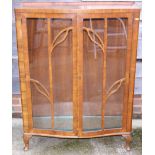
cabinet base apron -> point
(35, 132)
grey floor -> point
(96, 146)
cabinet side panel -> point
(22, 72)
(132, 70)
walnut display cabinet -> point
(77, 68)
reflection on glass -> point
(115, 71)
(93, 75)
(61, 62)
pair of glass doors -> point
(78, 72)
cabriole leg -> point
(128, 139)
(26, 139)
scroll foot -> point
(128, 139)
(26, 139)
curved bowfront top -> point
(77, 7)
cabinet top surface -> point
(77, 7)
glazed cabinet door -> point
(104, 46)
(50, 57)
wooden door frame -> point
(22, 40)
(122, 130)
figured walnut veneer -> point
(77, 68)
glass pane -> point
(62, 75)
(116, 64)
(39, 72)
(93, 75)
(62, 79)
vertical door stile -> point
(125, 99)
(80, 72)
(27, 72)
(75, 112)
(50, 71)
(104, 71)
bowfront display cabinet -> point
(77, 68)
